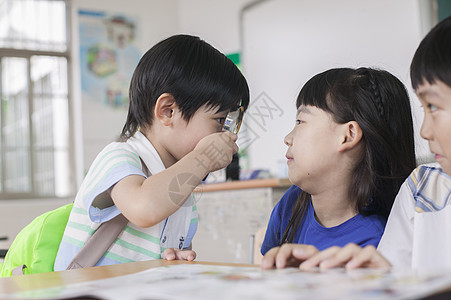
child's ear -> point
(164, 109)
(352, 135)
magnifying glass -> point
(233, 120)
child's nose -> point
(425, 131)
(288, 140)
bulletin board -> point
(108, 56)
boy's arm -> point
(146, 202)
(397, 241)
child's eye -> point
(298, 122)
(220, 121)
(432, 107)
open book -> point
(198, 281)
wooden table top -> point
(54, 279)
(26, 283)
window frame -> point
(28, 54)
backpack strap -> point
(98, 243)
(18, 270)
(101, 240)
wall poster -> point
(108, 56)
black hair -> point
(379, 103)
(193, 72)
(432, 60)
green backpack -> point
(37, 244)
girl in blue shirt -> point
(350, 150)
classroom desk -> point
(324, 289)
(54, 279)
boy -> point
(418, 231)
(180, 94)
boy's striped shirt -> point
(115, 162)
(430, 188)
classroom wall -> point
(287, 42)
(99, 123)
(95, 125)
(217, 22)
(281, 50)
(283, 44)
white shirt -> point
(418, 231)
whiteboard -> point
(286, 42)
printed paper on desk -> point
(197, 281)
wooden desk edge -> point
(63, 278)
(243, 184)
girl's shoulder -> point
(376, 222)
(290, 196)
(285, 204)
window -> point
(35, 127)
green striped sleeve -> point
(81, 227)
(103, 156)
(80, 211)
(72, 241)
(94, 182)
(138, 249)
(118, 258)
(142, 235)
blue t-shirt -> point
(361, 230)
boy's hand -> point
(176, 254)
(287, 255)
(216, 150)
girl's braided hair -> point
(379, 103)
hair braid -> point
(379, 100)
(379, 103)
